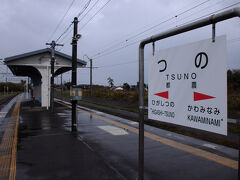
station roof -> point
(46, 50)
(19, 68)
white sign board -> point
(188, 85)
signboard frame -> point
(193, 93)
(211, 20)
(75, 93)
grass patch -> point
(233, 128)
(112, 106)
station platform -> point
(105, 147)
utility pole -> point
(90, 74)
(28, 84)
(6, 86)
(61, 85)
(7, 81)
(75, 38)
(53, 45)
(91, 77)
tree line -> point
(11, 87)
(233, 79)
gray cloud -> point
(26, 26)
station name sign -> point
(188, 85)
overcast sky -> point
(111, 31)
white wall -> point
(37, 92)
(42, 63)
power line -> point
(81, 4)
(66, 30)
(113, 43)
(79, 21)
(94, 15)
(200, 11)
(212, 13)
(89, 10)
(234, 40)
(85, 7)
(117, 49)
(61, 20)
(112, 65)
(148, 29)
(110, 48)
(88, 20)
(132, 62)
(79, 14)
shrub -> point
(234, 101)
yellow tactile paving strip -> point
(8, 146)
(198, 152)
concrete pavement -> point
(163, 160)
(106, 147)
(46, 150)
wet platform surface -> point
(46, 150)
(106, 147)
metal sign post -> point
(75, 38)
(235, 12)
(75, 93)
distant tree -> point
(23, 82)
(138, 85)
(233, 79)
(126, 86)
(236, 79)
(110, 82)
(68, 85)
(12, 87)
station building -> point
(37, 66)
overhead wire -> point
(106, 50)
(88, 20)
(152, 27)
(95, 14)
(117, 49)
(234, 40)
(103, 54)
(79, 21)
(81, 4)
(114, 42)
(89, 10)
(85, 7)
(119, 64)
(191, 15)
(76, 12)
(132, 62)
(65, 31)
(212, 13)
(79, 14)
(61, 20)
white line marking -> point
(210, 146)
(169, 134)
(63, 114)
(133, 123)
(113, 130)
(178, 137)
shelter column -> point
(45, 87)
